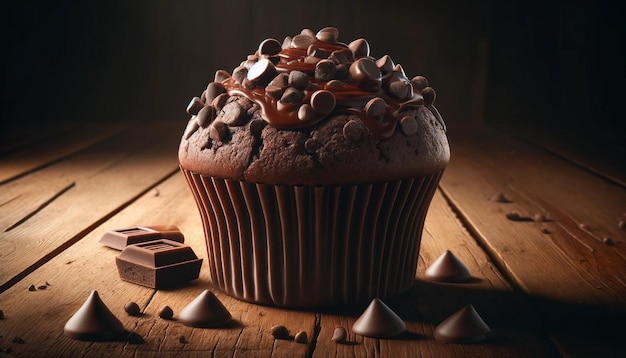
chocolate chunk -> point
(262, 72)
(360, 48)
(385, 64)
(464, 326)
(400, 89)
(93, 322)
(194, 106)
(298, 79)
(301, 337)
(353, 130)
(339, 335)
(323, 101)
(221, 76)
(448, 268)
(308, 32)
(205, 116)
(280, 332)
(342, 72)
(220, 101)
(317, 52)
(408, 124)
(325, 70)
(234, 115)
(328, 34)
(158, 264)
(205, 311)
(132, 308)
(281, 80)
(302, 41)
(119, 239)
(378, 321)
(419, 82)
(366, 74)
(376, 108)
(274, 91)
(269, 47)
(286, 42)
(166, 312)
(239, 74)
(343, 56)
(513, 216)
(292, 95)
(218, 131)
(305, 112)
(429, 95)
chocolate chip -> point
(305, 112)
(408, 124)
(166, 312)
(343, 56)
(213, 90)
(281, 80)
(311, 60)
(298, 79)
(353, 130)
(274, 91)
(262, 72)
(608, 241)
(42, 287)
(182, 339)
(302, 41)
(342, 72)
(292, 95)
(513, 216)
(220, 101)
(360, 48)
(132, 309)
(366, 74)
(325, 70)
(376, 108)
(328, 34)
(256, 126)
(286, 42)
(301, 337)
(499, 198)
(419, 82)
(545, 231)
(221, 76)
(339, 335)
(316, 52)
(269, 47)
(239, 74)
(429, 95)
(205, 116)
(280, 332)
(323, 101)
(335, 83)
(32, 288)
(385, 64)
(400, 89)
(234, 115)
(311, 145)
(219, 131)
(194, 106)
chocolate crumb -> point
(182, 339)
(301, 337)
(339, 335)
(32, 288)
(608, 241)
(280, 332)
(48, 283)
(156, 192)
(513, 216)
(42, 287)
(499, 198)
(538, 217)
(132, 309)
(166, 312)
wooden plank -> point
(563, 264)
(44, 148)
(38, 317)
(44, 213)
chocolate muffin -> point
(313, 165)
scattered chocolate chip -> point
(378, 321)
(298, 79)
(292, 95)
(302, 41)
(366, 74)
(514, 216)
(93, 321)
(18, 340)
(339, 335)
(429, 95)
(408, 124)
(608, 241)
(448, 268)
(385, 64)
(305, 112)
(48, 283)
(325, 70)
(359, 48)
(194, 106)
(269, 47)
(280, 332)
(584, 226)
(419, 82)
(182, 339)
(42, 287)
(353, 130)
(376, 108)
(205, 116)
(205, 311)
(221, 76)
(323, 101)
(328, 34)
(166, 312)
(301, 337)
(499, 198)
(218, 131)
(32, 288)
(156, 192)
(132, 309)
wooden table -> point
(546, 288)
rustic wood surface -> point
(546, 288)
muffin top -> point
(315, 111)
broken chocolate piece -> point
(205, 311)
(378, 321)
(301, 337)
(119, 239)
(158, 264)
(280, 332)
(93, 322)
(464, 326)
(132, 309)
(166, 312)
(448, 268)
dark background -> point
(552, 63)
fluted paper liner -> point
(312, 246)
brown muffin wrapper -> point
(312, 246)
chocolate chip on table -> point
(132, 309)
(166, 312)
(292, 95)
(400, 89)
(18, 340)
(301, 337)
(182, 339)
(360, 48)
(323, 101)
(499, 198)
(339, 335)
(608, 241)
(194, 106)
(280, 332)
(32, 288)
